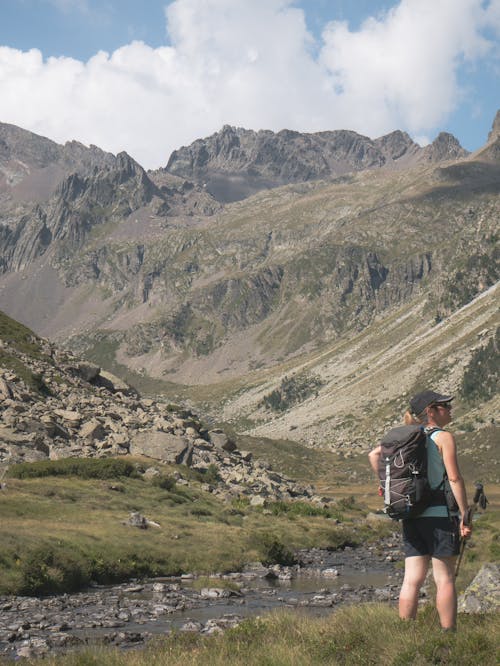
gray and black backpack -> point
(403, 473)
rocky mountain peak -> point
(396, 144)
(21, 145)
(495, 128)
(444, 147)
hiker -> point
(434, 535)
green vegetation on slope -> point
(23, 341)
(22, 338)
(291, 391)
(481, 380)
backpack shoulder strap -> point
(430, 430)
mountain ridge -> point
(266, 159)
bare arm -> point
(374, 457)
(447, 446)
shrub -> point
(275, 552)
(163, 481)
(46, 571)
(85, 468)
(348, 502)
(297, 509)
(291, 391)
(481, 380)
(211, 475)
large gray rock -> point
(92, 429)
(221, 440)
(5, 390)
(113, 383)
(87, 371)
(162, 446)
(483, 594)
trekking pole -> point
(478, 500)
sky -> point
(149, 76)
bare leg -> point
(443, 569)
(415, 572)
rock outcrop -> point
(495, 129)
(483, 594)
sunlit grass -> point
(366, 635)
(76, 529)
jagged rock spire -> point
(495, 128)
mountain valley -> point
(293, 286)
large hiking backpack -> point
(403, 472)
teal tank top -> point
(435, 474)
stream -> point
(130, 614)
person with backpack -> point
(431, 530)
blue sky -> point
(148, 76)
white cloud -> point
(401, 70)
(251, 65)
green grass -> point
(23, 341)
(365, 635)
(64, 523)
(21, 337)
(86, 468)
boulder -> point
(92, 429)
(113, 383)
(87, 371)
(5, 390)
(221, 440)
(162, 446)
(137, 520)
(246, 456)
(257, 500)
(483, 594)
(71, 417)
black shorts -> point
(437, 537)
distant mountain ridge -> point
(236, 162)
(32, 166)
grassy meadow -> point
(64, 523)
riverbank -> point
(366, 634)
(132, 614)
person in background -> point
(433, 537)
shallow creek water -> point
(131, 613)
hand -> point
(465, 530)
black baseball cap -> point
(422, 400)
